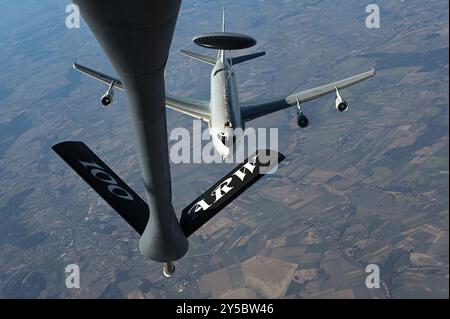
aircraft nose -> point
(226, 153)
(225, 150)
(220, 145)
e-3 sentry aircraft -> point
(224, 112)
(136, 36)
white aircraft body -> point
(224, 112)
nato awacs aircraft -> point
(136, 36)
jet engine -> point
(302, 121)
(341, 104)
(108, 98)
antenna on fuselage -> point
(223, 19)
(222, 52)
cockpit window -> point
(218, 70)
(222, 137)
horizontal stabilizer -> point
(205, 207)
(199, 57)
(106, 183)
(245, 58)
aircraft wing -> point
(251, 111)
(194, 108)
(197, 109)
(98, 75)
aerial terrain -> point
(369, 186)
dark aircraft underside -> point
(136, 37)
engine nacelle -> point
(341, 104)
(108, 98)
(302, 121)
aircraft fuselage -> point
(224, 104)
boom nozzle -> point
(168, 269)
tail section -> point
(212, 61)
(244, 58)
(224, 41)
(106, 183)
(221, 55)
(199, 57)
(205, 207)
(223, 19)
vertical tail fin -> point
(223, 19)
(221, 56)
